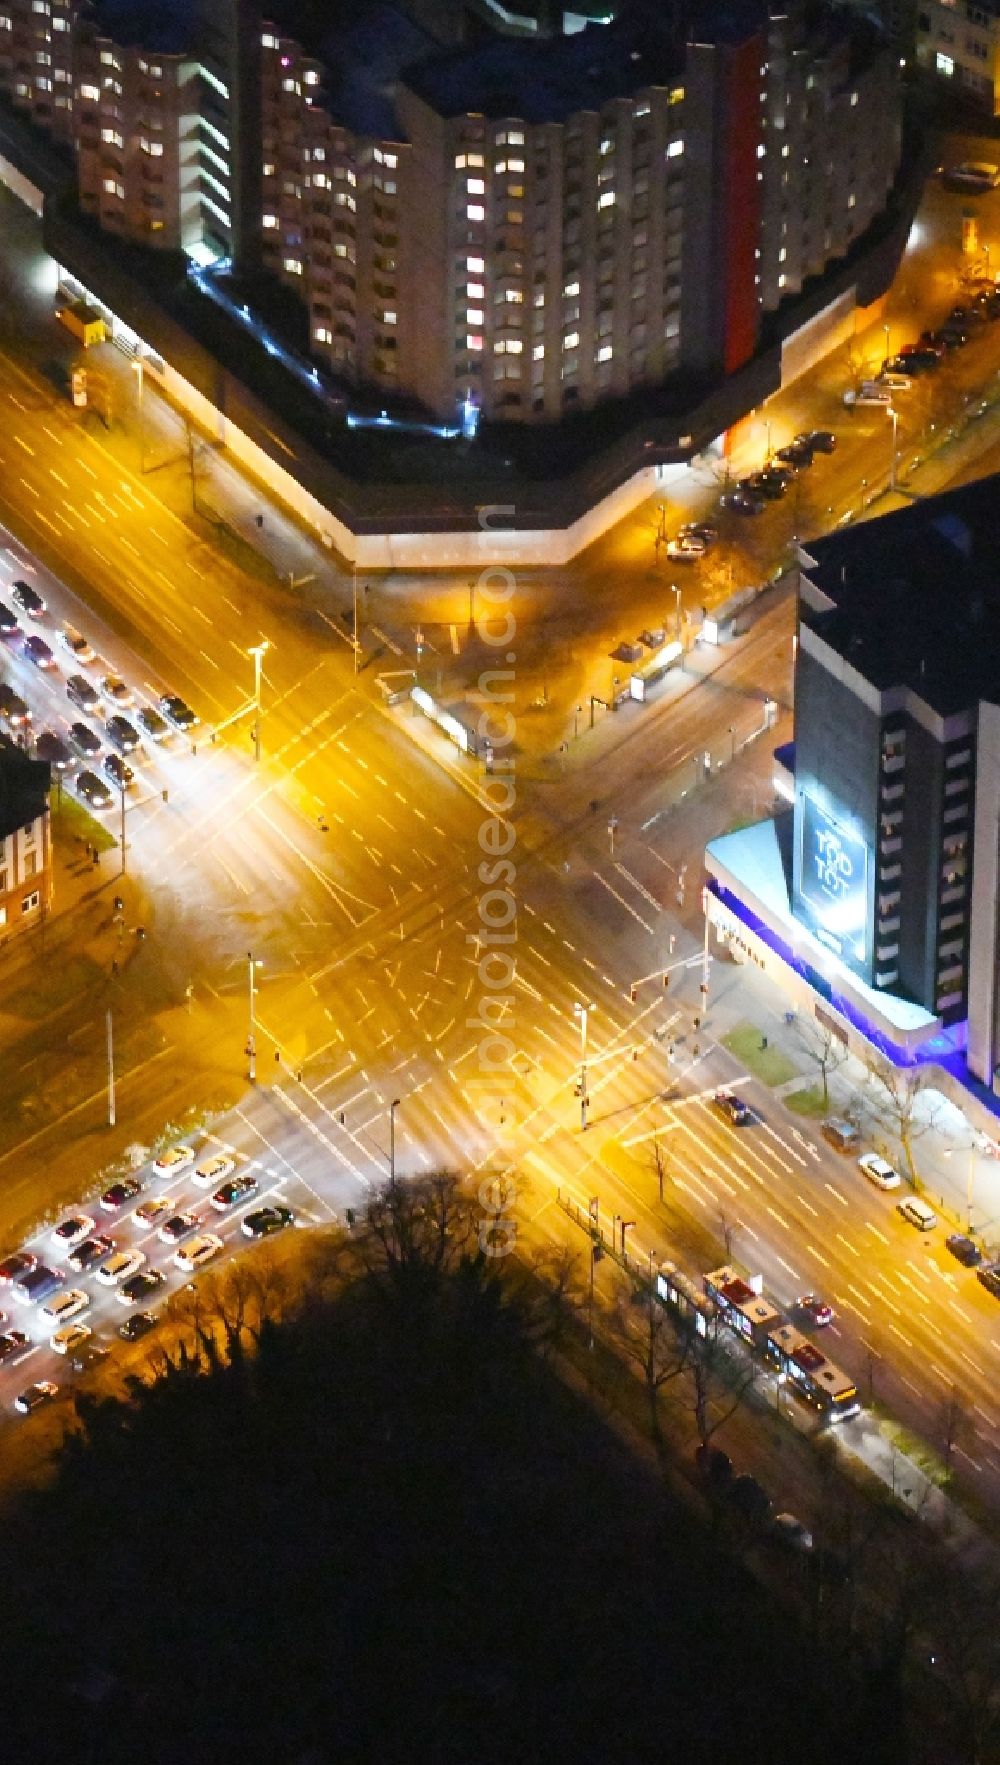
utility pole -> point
(122, 794)
(394, 1105)
(111, 1073)
(252, 1036)
(612, 824)
(258, 652)
(583, 1013)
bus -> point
(811, 1375)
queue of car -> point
(103, 698)
(44, 1283)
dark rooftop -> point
(24, 787)
(165, 27)
(917, 597)
(363, 46)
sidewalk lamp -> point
(893, 416)
(677, 607)
(582, 1013)
(258, 652)
(138, 368)
(253, 963)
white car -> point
(199, 1251)
(174, 1159)
(116, 690)
(211, 1171)
(151, 1211)
(119, 1267)
(895, 382)
(688, 547)
(72, 1231)
(65, 1304)
(74, 641)
(878, 1171)
(71, 1336)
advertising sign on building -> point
(833, 881)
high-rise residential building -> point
(880, 884)
(533, 221)
(25, 842)
(958, 43)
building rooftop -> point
(24, 788)
(363, 47)
(914, 597)
(165, 27)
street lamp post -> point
(894, 418)
(138, 368)
(677, 606)
(767, 436)
(888, 351)
(354, 579)
(253, 963)
(394, 1105)
(612, 825)
(257, 651)
(123, 824)
(583, 1013)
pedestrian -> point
(763, 1043)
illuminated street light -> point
(258, 652)
(394, 1105)
(253, 963)
(677, 607)
(893, 415)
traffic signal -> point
(666, 982)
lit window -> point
(290, 85)
(642, 110)
(606, 199)
(538, 353)
(508, 346)
(607, 146)
(761, 150)
(851, 200)
(944, 64)
(293, 266)
(782, 281)
(538, 298)
(91, 92)
(473, 343)
(475, 290)
(475, 187)
(322, 335)
(510, 138)
(604, 353)
(388, 159)
(270, 220)
(475, 265)
(571, 340)
(268, 42)
(153, 148)
(475, 212)
(677, 95)
(513, 294)
(782, 255)
(388, 317)
(570, 289)
(473, 315)
(854, 99)
(675, 148)
(310, 77)
(112, 137)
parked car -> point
(70, 1337)
(842, 1136)
(822, 441)
(9, 626)
(152, 724)
(917, 1212)
(65, 1304)
(989, 1276)
(84, 741)
(236, 1189)
(698, 530)
(212, 1170)
(174, 1159)
(28, 599)
(139, 1324)
(120, 1267)
(116, 690)
(19, 1263)
(140, 1286)
(796, 453)
(13, 709)
(72, 1231)
(266, 1221)
(199, 1251)
(43, 1391)
(177, 712)
(765, 484)
(964, 1250)
(12, 1342)
(742, 502)
(114, 1199)
(82, 694)
(687, 548)
(118, 770)
(37, 1284)
(178, 1227)
(90, 1251)
(51, 747)
(879, 1171)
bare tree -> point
(653, 1344)
(718, 1379)
(895, 1093)
(966, 1657)
(658, 1159)
(824, 1047)
(955, 1427)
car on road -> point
(177, 712)
(19, 1263)
(989, 1276)
(72, 1231)
(28, 599)
(964, 1250)
(37, 650)
(152, 724)
(13, 709)
(686, 548)
(9, 626)
(90, 1251)
(212, 1170)
(917, 1212)
(43, 1391)
(698, 530)
(742, 502)
(70, 1337)
(934, 341)
(88, 1354)
(116, 690)
(74, 641)
(37, 1284)
(140, 1286)
(972, 176)
(842, 1135)
(896, 382)
(51, 747)
(822, 441)
(790, 1530)
(174, 1159)
(114, 1199)
(65, 1305)
(82, 694)
(121, 734)
(84, 741)
(237, 1189)
(120, 1267)
(11, 1342)
(153, 1210)
(198, 1252)
(917, 360)
(118, 770)
(871, 392)
(736, 1112)
(879, 1171)
(92, 790)
(178, 1227)
(139, 1324)
(266, 1221)
(815, 1309)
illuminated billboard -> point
(833, 881)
